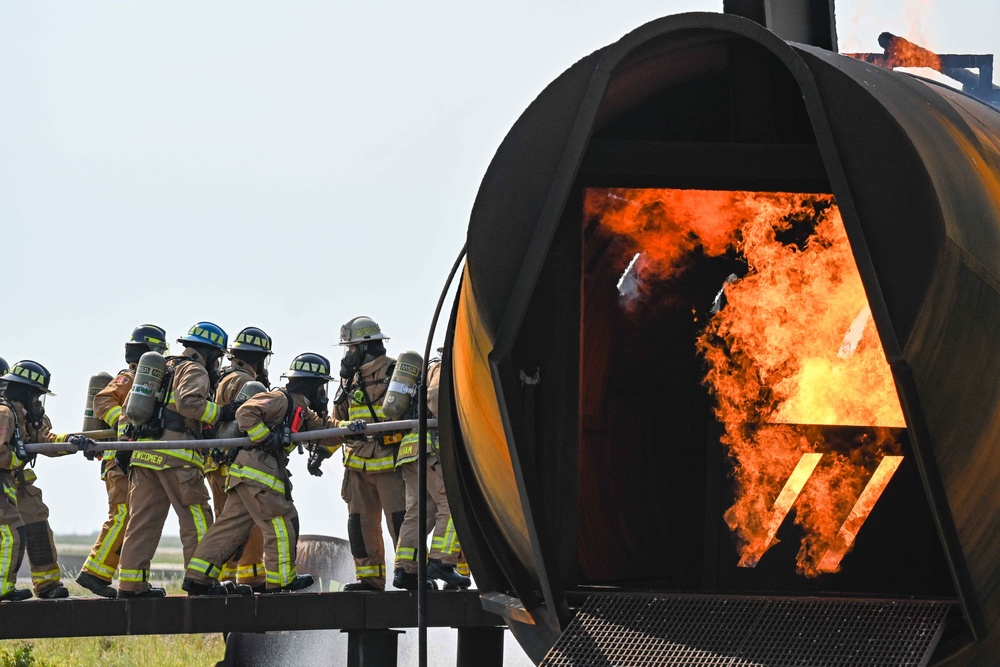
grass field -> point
(163, 650)
(151, 651)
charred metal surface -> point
(718, 166)
(717, 102)
(810, 22)
(257, 613)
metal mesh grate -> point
(642, 629)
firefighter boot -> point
(56, 592)
(16, 595)
(193, 588)
(234, 588)
(96, 585)
(153, 592)
(446, 573)
(408, 581)
(297, 584)
(361, 585)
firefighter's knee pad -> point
(358, 548)
(39, 545)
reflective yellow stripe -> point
(112, 415)
(450, 538)
(94, 567)
(463, 568)
(406, 553)
(384, 463)
(370, 571)
(61, 437)
(228, 573)
(11, 493)
(259, 432)
(247, 571)
(117, 524)
(133, 576)
(45, 577)
(361, 411)
(7, 577)
(204, 567)
(200, 523)
(159, 459)
(284, 552)
(246, 472)
(211, 413)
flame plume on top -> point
(794, 344)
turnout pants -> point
(104, 557)
(151, 494)
(368, 496)
(444, 545)
(11, 538)
(248, 506)
(248, 568)
(40, 546)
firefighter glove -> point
(228, 411)
(81, 442)
(224, 456)
(316, 457)
(354, 426)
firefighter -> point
(23, 420)
(372, 486)
(259, 491)
(445, 550)
(11, 526)
(249, 356)
(99, 568)
(163, 478)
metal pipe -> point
(61, 447)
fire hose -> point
(305, 436)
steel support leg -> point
(480, 647)
(372, 648)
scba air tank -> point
(402, 385)
(145, 395)
(250, 389)
(96, 384)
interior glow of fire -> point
(792, 343)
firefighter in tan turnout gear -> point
(100, 567)
(249, 355)
(23, 420)
(445, 550)
(372, 485)
(163, 478)
(11, 526)
(259, 492)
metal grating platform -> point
(642, 629)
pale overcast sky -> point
(286, 165)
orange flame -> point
(904, 53)
(794, 344)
